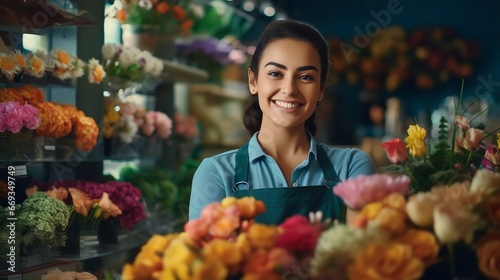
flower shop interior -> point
(108, 107)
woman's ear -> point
(252, 82)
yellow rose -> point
(244, 245)
(262, 236)
(415, 141)
(423, 243)
(420, 208)
(386, 261)
(488, 255)
(178, 258)
(226, 252)
(391, 221)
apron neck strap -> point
(242, 163)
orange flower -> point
(63, 57)
(31, 190)
(423, 243)
(249, 207)
(391, 220)
(186, 25)
(58, 193)
(179, 12)
(380, 261)
(395, 201)
(262, 236)
(108, 207)
(121, 15)
(227, 252)
(488, 255)
(162, 8)
(82, 203)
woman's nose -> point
(288, 87)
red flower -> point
(299, 236)
(396, 150)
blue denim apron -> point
(282, 203)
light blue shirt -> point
(214, 178)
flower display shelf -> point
(177, 72)
(14, 13)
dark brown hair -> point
(285, 29)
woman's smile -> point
(286, 105)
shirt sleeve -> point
(207, 187)
(361, 164)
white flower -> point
(96, 72)
(197, 10)
(485, 182)
(78, 68)
(453, 223)
(420, 208)
(35, 66)
(127, 128)
(145, 60)
(145, 4)
(157, 67)
(126, 58)
(108, 51)
(8, 65)
(61, 58)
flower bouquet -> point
(17, 126)
(41, 224)
(460, 150)
(226, 243)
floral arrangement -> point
(16, 117)
(126, 120)
(162, 16)
(55, 120)
(89, 212)
(225, 242)
(42, 222)
(459, 151)
(210, 53)
(129, 63)
(424, 58)
(112, 198)
(445, 233)
(58, 63)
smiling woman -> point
(282, 164)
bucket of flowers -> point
(147, 24)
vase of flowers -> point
(151, 25)
(17, 125)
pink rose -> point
(472, 138)
(13, 123)
(396, 150)
(3, 123)
(2, 107)
(364, 189)
(148, 129)
(29, 115)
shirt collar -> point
(255, 150)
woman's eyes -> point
(301, 77)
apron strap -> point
(331, 177)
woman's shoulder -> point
(342, 151)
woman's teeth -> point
(286, 104)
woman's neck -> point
(284, 143)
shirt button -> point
(294, 184)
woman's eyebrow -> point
(301, 68)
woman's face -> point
(288, 84)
